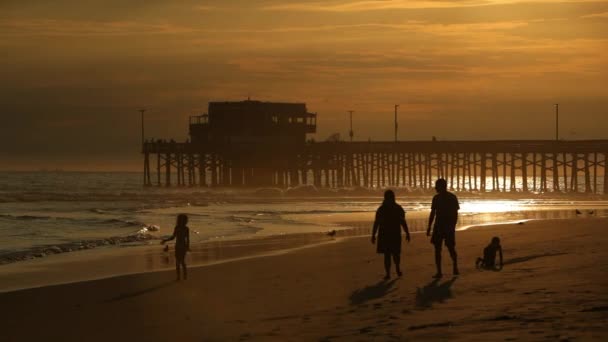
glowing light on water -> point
(490, 206)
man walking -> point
(444, 212)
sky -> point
(74, 73)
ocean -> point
(43, 213)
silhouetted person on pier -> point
(444, 213)
(390, 217)
(489, 255)
(181, 234)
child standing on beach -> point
(181, 234)
(489, 255)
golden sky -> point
(74, 73)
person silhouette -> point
(181, 234)
(444, 213)
(390, 217)
(489, 255)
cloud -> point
(408, 26)
(376, 5)
(596, 15)
(50, 27)
(358, 6)
(205, 8)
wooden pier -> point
(263, 144)
(532, 165)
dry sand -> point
(554, 286)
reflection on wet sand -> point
(224, 250)
(210, 252)
(419, 224)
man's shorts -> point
(441, 236)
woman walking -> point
(390, 217)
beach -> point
(552, 287)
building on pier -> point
(253, 122)
(236, 144)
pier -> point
(269, 149)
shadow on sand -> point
(530, 257)
(139, 292)
(434, 292)
(376, 291)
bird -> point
(331, 233)
(591, 212)
(578, 212)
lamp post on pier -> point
(557, 122)
(396, 125)
(351, 133)
(144, 150)
(142, 111)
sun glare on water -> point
(489, 206)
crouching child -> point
(489, 255)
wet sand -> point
(553, 287)
(99, 263)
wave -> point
(162, 199)
(103, 195)
(24, 217)
(126, 223)
(247, 229)
(299, 212)
(184, 197)
(45, 250)
(239, 219)
(139, 237)
(99, 211)
(84, 220)
(197, 215)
